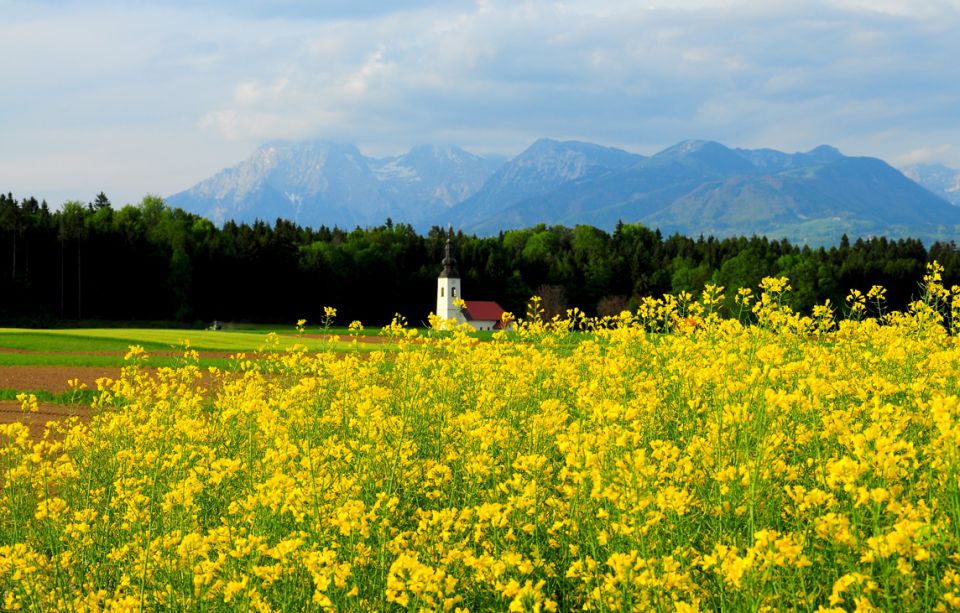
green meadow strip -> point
(118, 340)
(82, 397)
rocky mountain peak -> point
(693, 187)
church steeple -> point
(448, 285)
(449, 262)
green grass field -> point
(84, 396)
(106, 347)
(103, 340)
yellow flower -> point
(28, 403)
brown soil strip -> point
(10, 412)
(53, 378)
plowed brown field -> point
(10, 412)
(52, 378)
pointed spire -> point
(449, 260)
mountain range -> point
(694, 187)
(939, 179)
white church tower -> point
(448, 286)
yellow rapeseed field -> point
(665, 459)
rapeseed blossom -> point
(664, 458)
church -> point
(481, 314)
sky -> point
(141, 97)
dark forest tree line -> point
(149, 262)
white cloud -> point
(925, 155)
(925, 9)
(208, 81)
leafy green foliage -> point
(149, 262)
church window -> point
(453, 292)
(441, 291)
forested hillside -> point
(90, 261)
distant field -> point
(107, 346)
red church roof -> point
(483, 310)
